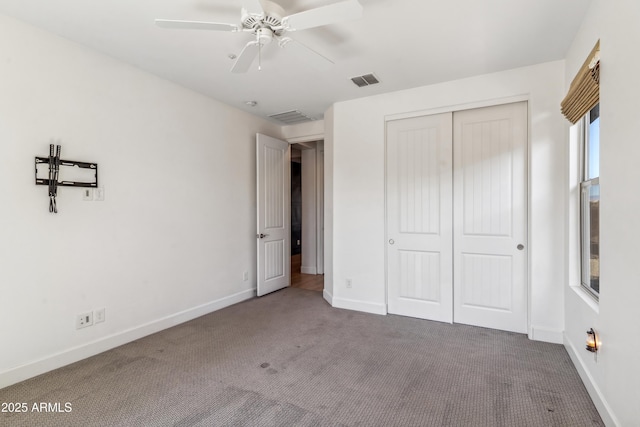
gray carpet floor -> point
(289, 359)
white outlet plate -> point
(84, 320)
(245, 276)
(98, 194)
(99, 315)
(349, 283)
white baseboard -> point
(66, 357)
(592, 388)
(308, 270)
(547, 335)
(367, 307)
(328, 297)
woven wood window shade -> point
(584, 92)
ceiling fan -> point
(267, 21)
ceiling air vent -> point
(366, 80)
(291, 117)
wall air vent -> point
(365, 80)
(291, 117)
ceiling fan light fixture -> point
(251, 103)
(284, 40)
(264, 36)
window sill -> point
(587, 298)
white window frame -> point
(585, 211)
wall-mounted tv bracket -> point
(54, 162)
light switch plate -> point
(98, 194)
(99, 315)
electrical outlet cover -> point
(98, 316)
(84, 320)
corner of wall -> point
(328, 297)
(356, 305)
(328, 204)
(553, 336)
(594, 391)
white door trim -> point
(458, 107)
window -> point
(590, 202)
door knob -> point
(391, 241)
(262, 236)
(520, 247)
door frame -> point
(316, 142)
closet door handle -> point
(391, 241)
(520, 247)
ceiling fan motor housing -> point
(256, 22)
(271, 18)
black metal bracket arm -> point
(54, 164)
(83, 165)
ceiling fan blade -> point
(305, 54)
(325, 15)
(252, 6)
(246, 57)
(195, 25)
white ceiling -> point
(406, 43)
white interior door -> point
(273, 230)
(419, 217)
(490, 217)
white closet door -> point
(419, 217)
(490, 217)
